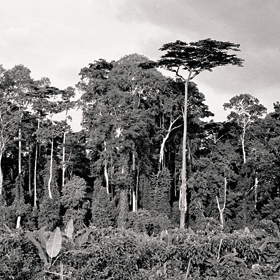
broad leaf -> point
(69, 229)
(42, 255)
(54, 243)
(42, 236)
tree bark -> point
(35, 169)
(19, 151)
(29, 170)
(183, 189)
(243, 143)
(123, 205)
(221, 210)
(51, 166)
(256, 191)
(1, 174)
(63, 159)
(162, 146)
(106, 171)
(123, 209)
(35, 177)
(134, 198)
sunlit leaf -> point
(54, 243)
(69, 229)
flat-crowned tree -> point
(194, 57)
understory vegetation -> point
(133, 253)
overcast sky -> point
(56, 38)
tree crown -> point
(196, 57)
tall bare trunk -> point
(256, 191)
(243, 144)
(1, 174)
(19, 151)
(35, 177)
(35, 169)
(106, 171)
(137, 190)
(123, 209)
(221, 210)
(29, 170)
(183, 189)
(162, 146)
(123, 205)
(134, 198)
(63, 159)
(51, 167)
(63, 153)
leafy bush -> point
(74, 200)
(148, 222)
(18, 257)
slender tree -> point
(245, 110)
(195, 58)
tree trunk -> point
(63, 153)
(123, 209)
(221, 210)
(35, 169)
(1, 174)
(51, 166)
(19, 151)
(63, 159)
(123, 205)
(243, 143)
(162, 146)
(183, 189)
(106, 176)
(137, 190)
(134, 199)
(29, 170)
(35, 177)
(106, 171)
(256, 191)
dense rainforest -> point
(114, 187)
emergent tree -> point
(195, 58)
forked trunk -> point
(222, 209)
(162, 146)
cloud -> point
(57, 38)
(252, 23)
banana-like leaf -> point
(69, 229)
(42, 255)
(53, 245)
(42, 236)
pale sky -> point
(56, 38)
